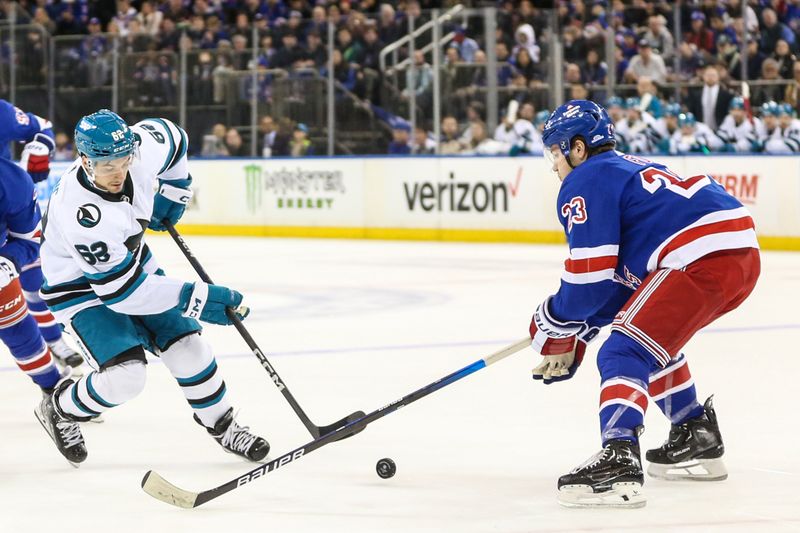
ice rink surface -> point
(356, 324)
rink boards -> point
(499, 199)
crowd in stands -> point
(650, 57)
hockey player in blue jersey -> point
(20, 232)
(656, 256)
(37, 133)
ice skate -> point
(612, 477)
(62, 427)
(693, 450)
(237, 439)
(65, 356)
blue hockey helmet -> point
(615, 101)
(541, 117)
(578, 117)
(632, 102)
(736, 103)
(672, 110)
(103, 135)
(686, 119)
(770, 109)
(786, 110)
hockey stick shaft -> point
(159, 488)
(312, 428)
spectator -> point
(150, 18)
(728, 56)
(783, 55)
(288, 56)
(65, 150)
(466, 46)
(125, 14)
(422, 144)
(572, 74)
(660, 37)
(711, 102)
(526, 67)
(421, 82)
(574, 45)
(372, 49)
(317, 54)
(772, 30)
(476, 112)
(505, 71)
(300, 145)
(792, 94)
(594, 71)
(772, 91)
(700, 35)
(690, 61)
(67, 24)
(202, 80)
(214, 143)
(526, 38)
(388, 28)
(400, 140)
(266, 128)
(449, 144)
(646, 63)
(41, 17)
(344, 72)
(234, 144)
(578, 91)
(352, 51)
(755, 57)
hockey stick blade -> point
(161, 489)
(324, 430)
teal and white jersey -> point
(93, 251)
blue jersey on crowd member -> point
(658, 256)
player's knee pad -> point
(188, 356)
(122, 382)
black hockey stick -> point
(315, 430)
(161, 489)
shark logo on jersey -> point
(88, 215)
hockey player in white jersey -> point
(665, 127)
(783, 129)
(102, 282)
(693, 137)
(637, 128)
(739, 133)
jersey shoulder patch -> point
(168, 137)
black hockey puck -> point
(386, 468)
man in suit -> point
(710, 103)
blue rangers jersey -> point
(17, 125)
(20, 222)
(625, 217)
(93, 252)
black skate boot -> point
(693, 450)
(237, 439)
(612, 477)
(65, 356)
(62, 427)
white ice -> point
(356, 324)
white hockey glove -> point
(7, 271)
(562, 345)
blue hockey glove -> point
(170, 202)
(208, 303)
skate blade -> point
(623, 495)
(693, 470)
(40, 418)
